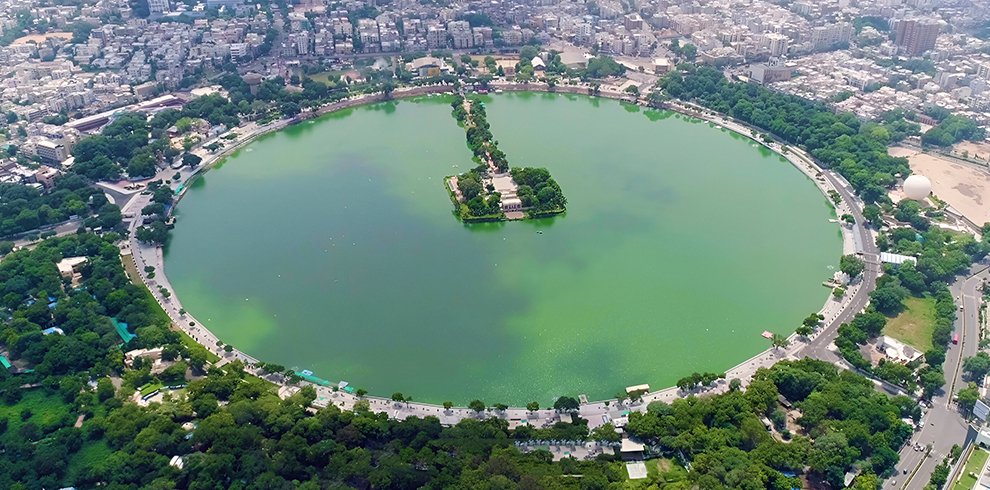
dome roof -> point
(917, 187)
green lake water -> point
(331, 246)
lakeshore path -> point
(856, 238)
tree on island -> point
(538, 190)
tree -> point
(477, 405)
(977, 366)
(501, 407)
(605, 433)
(871, 212)
(804, 330)
(566, 404)
(533, 406)
(290, 109)
(104, 389)
(967, 397)
(398, 397)
(939, 476)
(190, 159)
(888, 299)
(779, 341)
(852, 265)
(448, 405)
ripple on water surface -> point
(332, 247)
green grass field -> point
(88, 455)
(973, 466)
(151, 388)
(915, 324)
(46, 411)
(324, 76)
(662, 470)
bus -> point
(955, 338)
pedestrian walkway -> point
(597, 413)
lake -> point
(332, 246)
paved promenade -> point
(598, 412)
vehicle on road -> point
(955, 338)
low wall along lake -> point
(330, 246)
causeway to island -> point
(491, 191)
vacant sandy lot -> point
(964, 187)
(969, 149)
(40, 38)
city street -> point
(943, 425)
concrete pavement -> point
(943, 425)
(836, 312)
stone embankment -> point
(596, 412)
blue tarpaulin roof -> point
(311, 378)
(121, 327)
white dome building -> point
(917, 187)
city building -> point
(774, 70)
(159, 7)
(51, 152)
(827, 37)
(777, 44)
(895, 350)
(913, 37)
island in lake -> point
(492, 191)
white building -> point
(51, 152)
(896, 350)
(159, 7)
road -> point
(818, 347)
(864, 243)
(67, 228)
(943, 424)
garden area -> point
(971, 473)
(915, 324)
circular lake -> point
(331, 246)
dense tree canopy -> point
(843, 422)
(835, 140)
(24, 208)
(952, 130)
